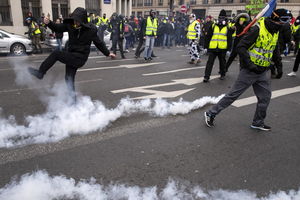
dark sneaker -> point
(222, 77)
(209, 119)
(205, 80)
(262, 127)
(35, 73)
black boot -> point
(35, 73)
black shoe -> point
(222, 77)
(205, 80)
(262, 127)
(209, 119)
(150, 58)
(136, 57)
(153, 56)
(123, 57)
(35, 73)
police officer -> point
(256, 51)
(220, 40)
(193, 35)
(151, 34)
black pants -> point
(233, 54)
(119, 41)
(72, 62)
(297, 62)
(138, 49)
(210, 63)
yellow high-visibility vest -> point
(151, 28)
(192, 33)
(219, 38)
(261, 52)
(37, 30)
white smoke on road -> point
(63, 119)
(40, 185)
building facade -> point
(14, 12)
(204, 8)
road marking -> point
(36, 88)
(275, 94)
(129, 66)
(103, 61)
(90, 57)
(173, 71)
(163, 94)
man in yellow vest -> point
(193, 35)
(150, 35)
(219, 43)
(295, 27)
(35, 35)
(256, 51)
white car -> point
(15, 44)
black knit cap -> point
(222, 13)
(281, 13)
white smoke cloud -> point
(63, 119)
(40, 185)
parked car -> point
(15, 44)
(51, 40)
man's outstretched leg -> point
(64, 57)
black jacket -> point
(80, 39)
(248, 40)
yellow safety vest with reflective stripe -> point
(192, 33)
(151, 28)
(37, 30)
(99, 21)
(219, 38)
(261, 52)
(295, 28)
(104, 21)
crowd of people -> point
(259, 49)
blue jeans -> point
(149, 46)
(167, 40)
(59, 42)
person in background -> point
(242, 20)
(151, 34)
(116, 27)
(218, 43)
(193, 35)
(59, 36)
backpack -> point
(126, 28)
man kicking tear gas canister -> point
(81, 35)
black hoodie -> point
(80, 39)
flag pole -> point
(257, 17)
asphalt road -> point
(145, 150)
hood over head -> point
(80, 15)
